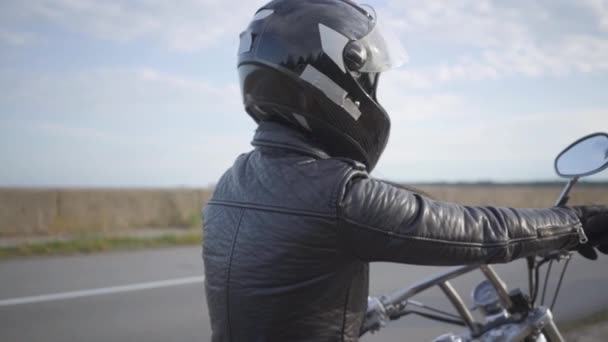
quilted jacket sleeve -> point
(382, 222)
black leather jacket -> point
(289, 233)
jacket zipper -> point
(549, 232)
(582, 237)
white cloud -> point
(196, 127)
(475, 41)
(407, 108)
(600, 8)
(571, 55)
(58, 129)
(164, 126)
(182, 25)
(16, 38)
(488, 40)
(519, 139)
(114, 92)
(478, 23)
(483, 147)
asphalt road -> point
(157, 295)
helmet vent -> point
(332, 90)
(246, 42)
(263, 14)
(333, 44)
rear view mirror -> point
(587, 156)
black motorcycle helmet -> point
(315, 64)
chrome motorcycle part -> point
(375, 317)
(486, 299)
(501, 288)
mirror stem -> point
(531, 261)
(565, 195)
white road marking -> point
(101, 291)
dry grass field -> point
(34, 212)
(516, 196)
(30, 212)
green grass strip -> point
(88, 245)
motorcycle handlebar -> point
(394, 303)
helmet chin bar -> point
(368, 82)
(375, 80)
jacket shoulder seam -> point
(450, 242)
(340, 185)
(340, 190)
(270, 208)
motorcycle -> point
(505, 315)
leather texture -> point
(289, 234)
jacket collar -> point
(276, 135)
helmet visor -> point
(383, 47)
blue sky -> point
(145, 93)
